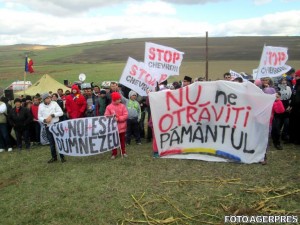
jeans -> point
(52, 145)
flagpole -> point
(24, 82)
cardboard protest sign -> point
(163, 59)
(213, 121)
(138, 77)
(272, 62)
(86, 136)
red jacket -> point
(278, 108)
(75, 104)
(120, 111)
(34, 111)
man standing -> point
(4, 136)
(49, 113)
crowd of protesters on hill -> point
(130, 110)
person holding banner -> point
(120, 113)
(48, 114)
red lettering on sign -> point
(133, 70)
(162, 55)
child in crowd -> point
(120, 114)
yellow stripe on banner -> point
(198, 150)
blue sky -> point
(59, 22)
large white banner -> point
(213, 121)
(138, 77)
(86, 136)
(164, 60)
(272, 62)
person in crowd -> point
(102, 102)
(92, 108)
(227, 76)
(36, 125)
(48, 114)
(134, 116)
(113, 88)
(267, 85)
(176, 85)
(150, 125)
(238, 80)
(9, 127)
(4, 135)
(67, 92)
(277, 110)
(120, 114)
(143, 106)
(186, 81)
(60, 102)
(60, 93)
(96, 90)
(290, 77)
(286, 94)
(295, 111)
(19, 118)
(75, 104)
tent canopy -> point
(45, 84)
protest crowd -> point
(132, 112)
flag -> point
(28, 65)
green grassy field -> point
(105, 60)
(143, 190)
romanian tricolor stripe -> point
(28, 65)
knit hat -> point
(187, 78)
(17, 100)
(297, 73)
(115, 96)
(131, 93)
(45, 95)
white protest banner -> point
(254, 73)
(235, 75)
(163, 59)
(138, 77)
(86, 136)
(272, 62)
(213, 121)
(43, 135)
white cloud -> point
(73, 7)
(152, 8)
(144, 20)
(261, 2)
(274, 24)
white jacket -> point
(46, 110)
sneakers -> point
(125, 155)
(1, 150)
(52, 160)
(113, 157)
(9, 149)
(138, 143)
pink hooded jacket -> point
(120, 111)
